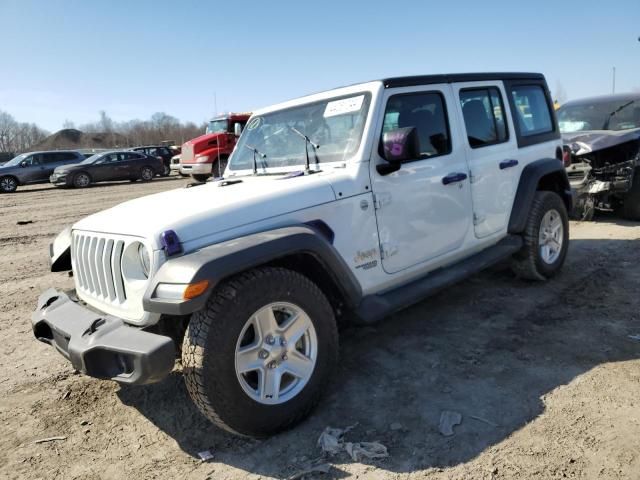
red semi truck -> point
(207, 154)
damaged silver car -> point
(601, 138)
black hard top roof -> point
(414, 80)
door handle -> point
(454, 177)
(508, 164)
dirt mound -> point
(74, 139)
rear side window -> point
(427, 113)
(483, 112)
(532, 110)
(133, 156)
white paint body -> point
(402, 225)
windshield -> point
(613, 115)
(333, 127)
(217, 126)
(91, 159)
(16, 160)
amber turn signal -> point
(194, 290)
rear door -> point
(132, 163)
(424, 209)
(491, 151)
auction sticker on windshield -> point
(346, 105)
(254, 123)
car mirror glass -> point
(400, 145)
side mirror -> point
(237, 129)
(23, 163)
(398, 146)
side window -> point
(484, 119)
(532, 110)
(427, 113)
(50, 157)
(132, 156)
(33, 160)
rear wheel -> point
(258, 357)
(81, 180)
(146, 174)
(631, 205)
(8, 184)
(546, 238)
(200, 178)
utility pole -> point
(613, 90)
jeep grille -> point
(97, 266)
(186, 156)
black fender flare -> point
(217, 262)
(545, 173)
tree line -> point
(17, 137)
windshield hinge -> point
(387, 250)
(381, 199)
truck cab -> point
(207, 155)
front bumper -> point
(195, 168)
(99, 345)
(58, 179)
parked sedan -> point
(34, 167)
(114, 165)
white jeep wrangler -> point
(352, 203)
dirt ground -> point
(545, 375)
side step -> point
(375, 307)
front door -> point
(490, 145)
(424, 209)
(34, 169)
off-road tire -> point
(208, 351)
(8, 184)
(528, 263)
(147, 174)
(631, 206)
(200, 178)
(79, 182)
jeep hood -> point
(202, 211)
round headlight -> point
(145, 259)
(136, 265)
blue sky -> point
(70, 59)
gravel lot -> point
(545, 376)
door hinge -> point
(478, 219)
(387, 250)
(381, 199)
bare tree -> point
(68, 124)
(559, 95)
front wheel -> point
(546, 238)
(81, 180)
(631, 205)
(8, 184)
(200, 178)
(258, 357)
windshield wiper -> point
(606, 122)
(255, 152)
(307, 142)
